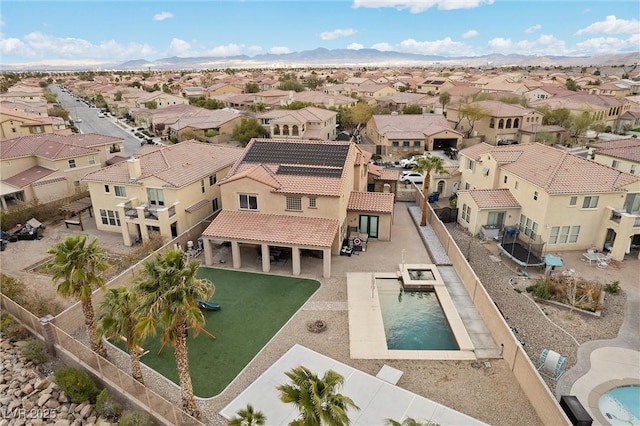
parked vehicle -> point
(451, 152)
(412, 177)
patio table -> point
(591, 257)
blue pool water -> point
(621, 405)
(413, 320)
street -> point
(91, 123)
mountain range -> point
(339, 58)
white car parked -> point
(411, 177)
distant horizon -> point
(113, 32)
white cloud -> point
(355, 46)
(383, 47)
(436, 47)
(417, 6)
(612, 25)
(533, 29)
(279, 50)
(544, 45)
(14, 46)
(230, 49)
(499, 44)
(608, 45)
(470, 34)
(162, 16)
(37, 45)
(331, 35)
(254, 50)
(179, 47)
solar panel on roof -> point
(309, 171)
(313, 154)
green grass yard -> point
(254, 308)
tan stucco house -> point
(305, 123)
(166, 189)
(289, 196)
(398, 136)
(50, 167)
(557, 199)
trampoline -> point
(524, 254)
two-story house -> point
(50, 167)
(501, 123)
(289, 196)
(556, 199)
(160, 100)
(305, 123)
(15, 124)
(400, 135)
(164, 189)
(621, 154)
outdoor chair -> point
(551, 364)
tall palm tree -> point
(427, 165)
(118, 318)
(317, 399)
(169, 291)
(77, 269)
(248, 417)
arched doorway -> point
(440, 188)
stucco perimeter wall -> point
(72, 318)
(533, 386)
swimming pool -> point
(621, 405)
(413, 320)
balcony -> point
(624, 220)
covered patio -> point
(273, 236)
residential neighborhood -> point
(497, 192)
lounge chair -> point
(551, 364)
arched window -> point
(492, 123)
(276, 129)
(285, 129)
(294, 130)
(516, 123)
(508, 123)
(501, 124)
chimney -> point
(135, 171)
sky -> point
(93, 32)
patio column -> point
(126, 237)
(208, 252)
(266, 257)
(326, 262)
(295, 260)
(235, 254)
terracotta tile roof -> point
(177, 165)
(411, 126)
(378, 202)
(259, 173)
(493, 198)
(49, 146)
(501, 109)
(298, 166)
(624, 149)
(451, 170)
(380, 173)
(475, 151)
(196, 206)
(274, 229)
(28, 176)
(557, 171)
(49, 180)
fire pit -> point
(317, 326)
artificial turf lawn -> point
(254, 308)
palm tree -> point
(316, 398)
(169, 291)
(118, 318)
(77, 268)
(248, 417)
(427, 165)
(409, 422)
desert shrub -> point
(540, 290)
(106, 406)
(135, 418)
(12, 329)
(77, 384)
(612, 287)
(33, 350)
(140, 252)
(12, 288)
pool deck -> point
(367, 339)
